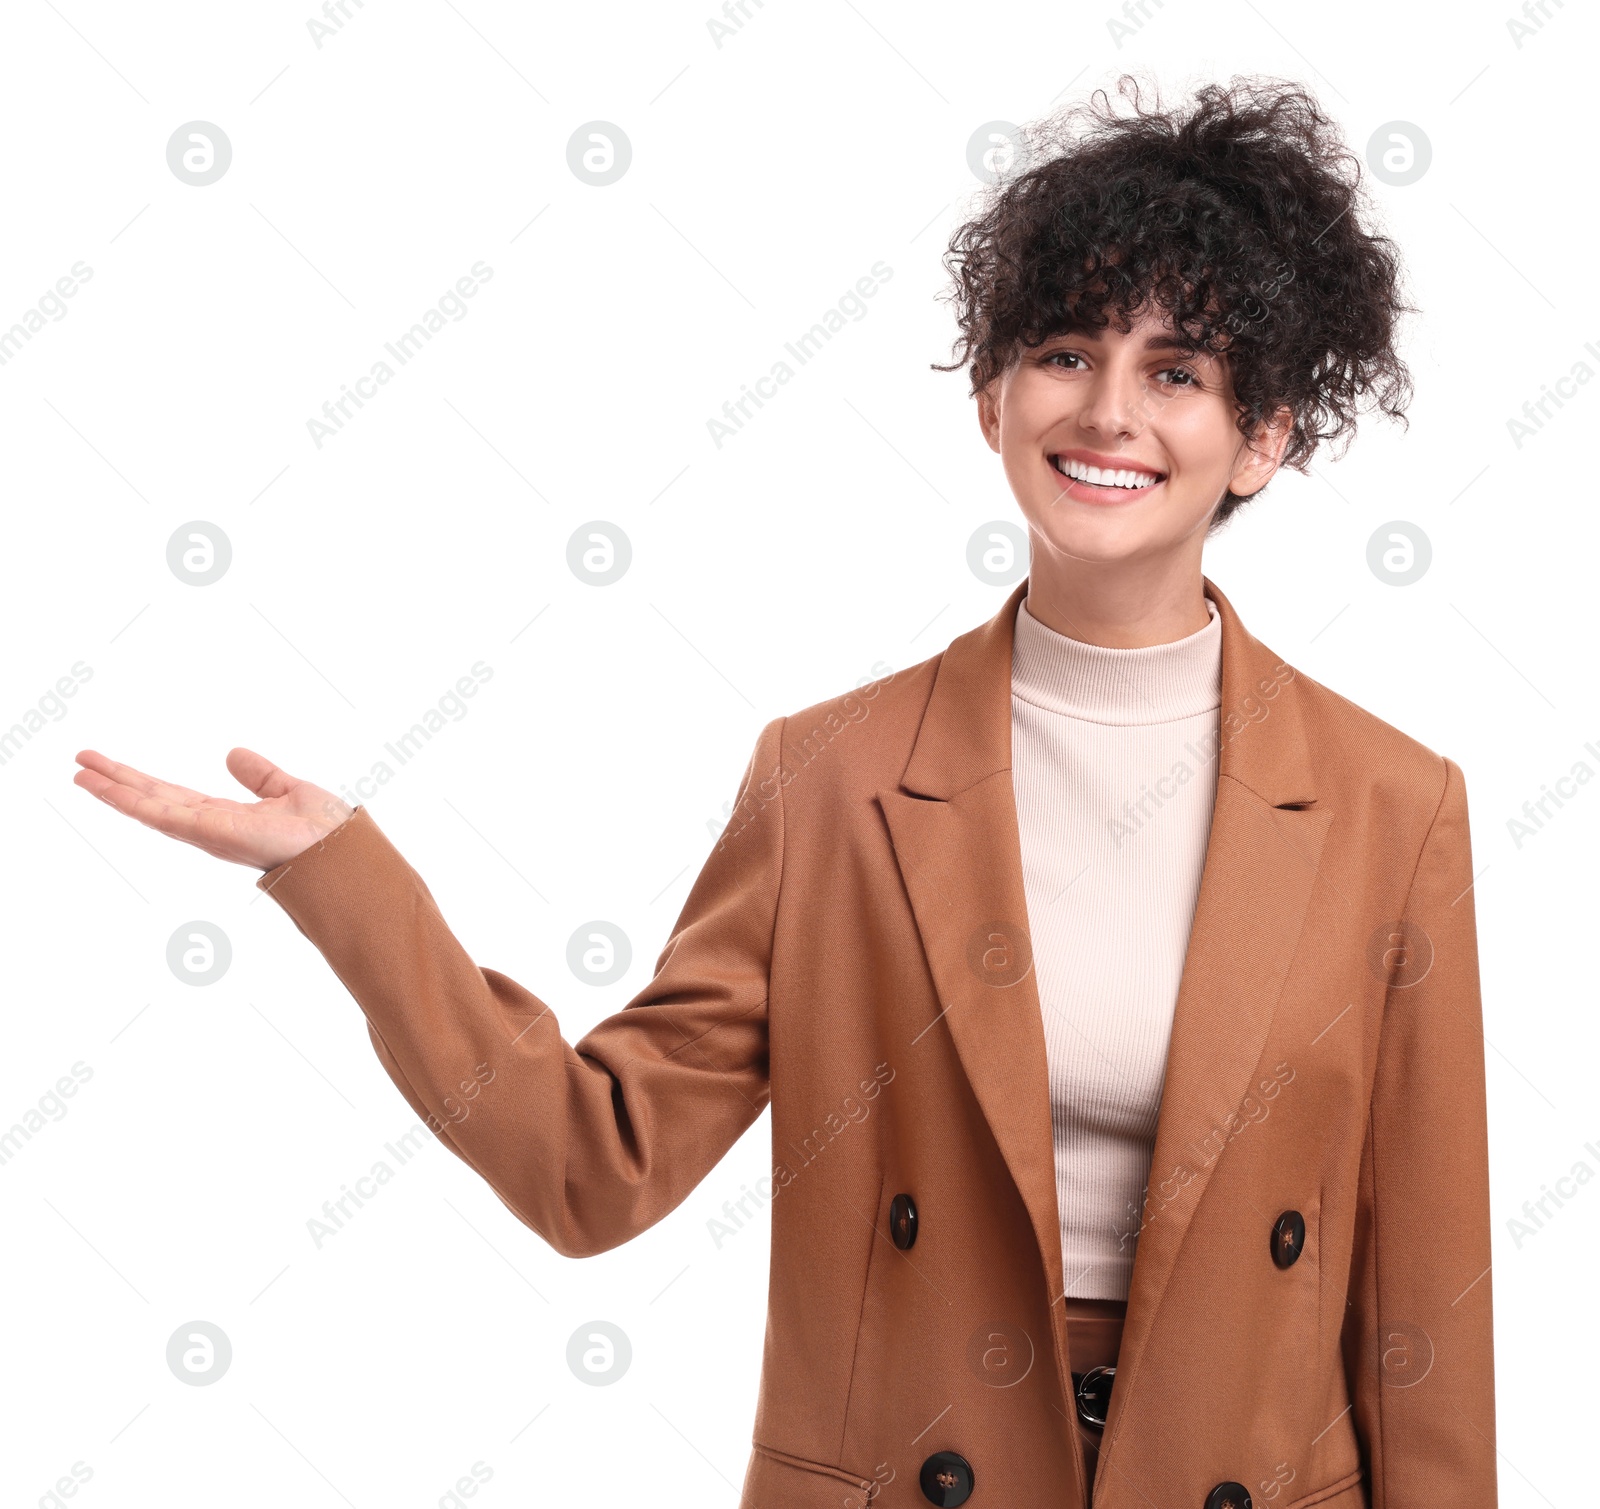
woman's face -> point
(1134, 403)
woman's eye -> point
(1185, 378)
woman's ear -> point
(989, 416)
(1263, 455)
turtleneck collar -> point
(1156, 683)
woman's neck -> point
(1118, 604)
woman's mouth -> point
(1093, 484)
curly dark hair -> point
(1239, 219)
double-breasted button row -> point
(946, 1477)
(1288, 1241)
(947, 1480)
(1288, 1231)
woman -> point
(1113, 985)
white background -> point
(590, 772)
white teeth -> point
(1107, 478)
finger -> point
(136, 780)
(200, 825)
(259, 774)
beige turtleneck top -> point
(1115, 776)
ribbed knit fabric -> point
(1114, 771)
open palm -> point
(291, 815)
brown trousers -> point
(1094, 1336)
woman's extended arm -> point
(588, 1144)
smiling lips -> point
(1103, 484)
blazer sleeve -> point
(588, 1144)
(1419, 1337)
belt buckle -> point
(1093, 1393)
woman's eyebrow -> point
(1158, 341)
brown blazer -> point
(855, 952)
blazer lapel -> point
(953, 825)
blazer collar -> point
(966, 732)
(952, 823)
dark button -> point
(903, 1228)
(1228, 1496)
(1093, 1392)
(1288, 1237)
(946, 1478)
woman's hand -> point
(291, 815)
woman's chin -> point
(1101, 541)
